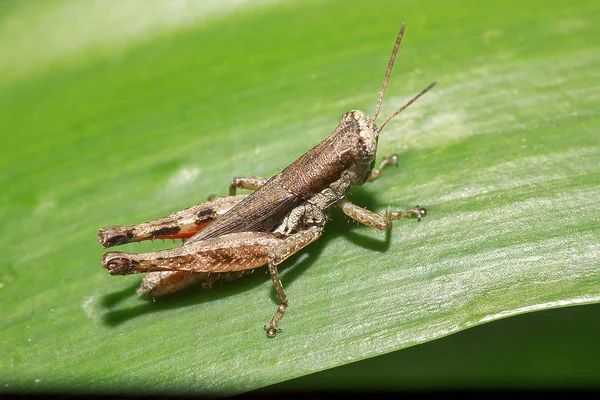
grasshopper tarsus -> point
(239, 233)
(391, 160)
(417, 212)
(272, 327)
(245, 182)
(271, 332)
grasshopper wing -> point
(262, 211)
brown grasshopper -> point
(238, 233)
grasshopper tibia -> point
(417, 212)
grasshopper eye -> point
(354, 115)
(117, 263)
(366, 145)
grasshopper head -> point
(365, 143)
(364, 131)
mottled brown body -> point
(235, 234)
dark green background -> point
(543, 350)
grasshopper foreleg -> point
(391, 160)
(381, 222)
(246, 182)
(287, 247)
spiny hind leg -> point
(381, 222)
(180, 225)
(227, 253)
(278, 254)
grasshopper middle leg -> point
(287, 247)
(246, 182)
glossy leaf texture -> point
(113, 118)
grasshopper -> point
(238, 233)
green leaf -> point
(129, 114)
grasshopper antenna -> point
(404, 107)
(389, 71)
(387, 78)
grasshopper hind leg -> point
(180, 225)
